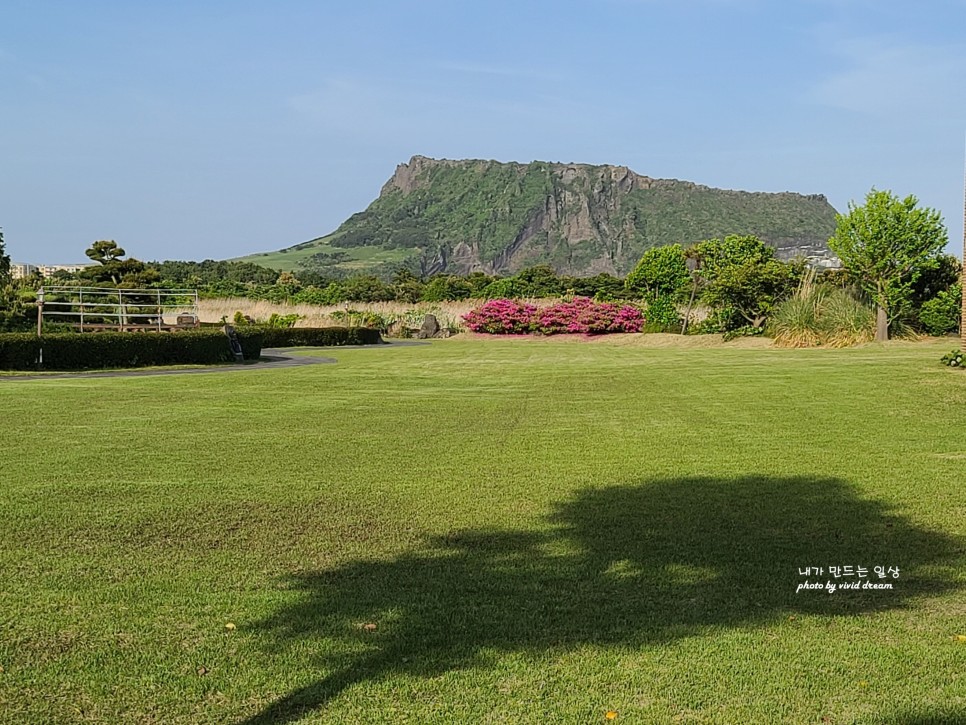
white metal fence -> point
(97, 308)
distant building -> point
(47, 270)
(19, 271)
(822, 262)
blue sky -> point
(192, 130)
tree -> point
(131, 273)
(886, 243)
(446, 287)
(105, 252)
(365, 288)
(661, 272)
(406, 286)
(539, 281)
(962, 287)
(742, 273)
(603, 287)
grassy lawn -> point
(359, 258)
(489, 531)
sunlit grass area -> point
(490, 531)
(355, 258)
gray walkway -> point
(272, 358)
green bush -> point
(506, 288)
(717, 322)
(19, 351)
(18, 318)
(98, 350)
(954, 359)
(662, 315)
(252, 342)
(320, 336)
(940, 315)
(446, 287)
(661, 272)
(361, 318)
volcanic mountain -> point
(439, 215)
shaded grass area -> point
(488, 531)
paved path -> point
(272, 358)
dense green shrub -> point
(940, 315)
(446, 287)
(19, 351)
(362, 318)
(662, 315)
(506, 288)
(252, 342)
(96, 350)
(741, 273)
(320, 336)
(539, 281)
(717, 322)
(329, 295)
(602, 287)
(954, 359)
(19, 318)
(661, 273)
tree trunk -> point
(962, 283)
(694, 291)
(881, 324)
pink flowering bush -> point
(583, 315)
(580, 315)
(501, 317)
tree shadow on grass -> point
(624, 565)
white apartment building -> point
(47, 270)
(19, 271)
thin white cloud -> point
(883, 77)
(499, 70)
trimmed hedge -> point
(318, 336)
(252, 342)
(97, 350)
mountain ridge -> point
(461, 216)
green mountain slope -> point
(462, 216)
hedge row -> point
(96, 350)
(318, 336)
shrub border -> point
(317, 336)
(104, 350)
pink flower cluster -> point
(501, 317)
(583, 315)
(580, 315)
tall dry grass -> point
(449, 314)
(821, 316)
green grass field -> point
(489, 531)
(359, 258)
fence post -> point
(40, 312)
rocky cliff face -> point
(464, 216)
